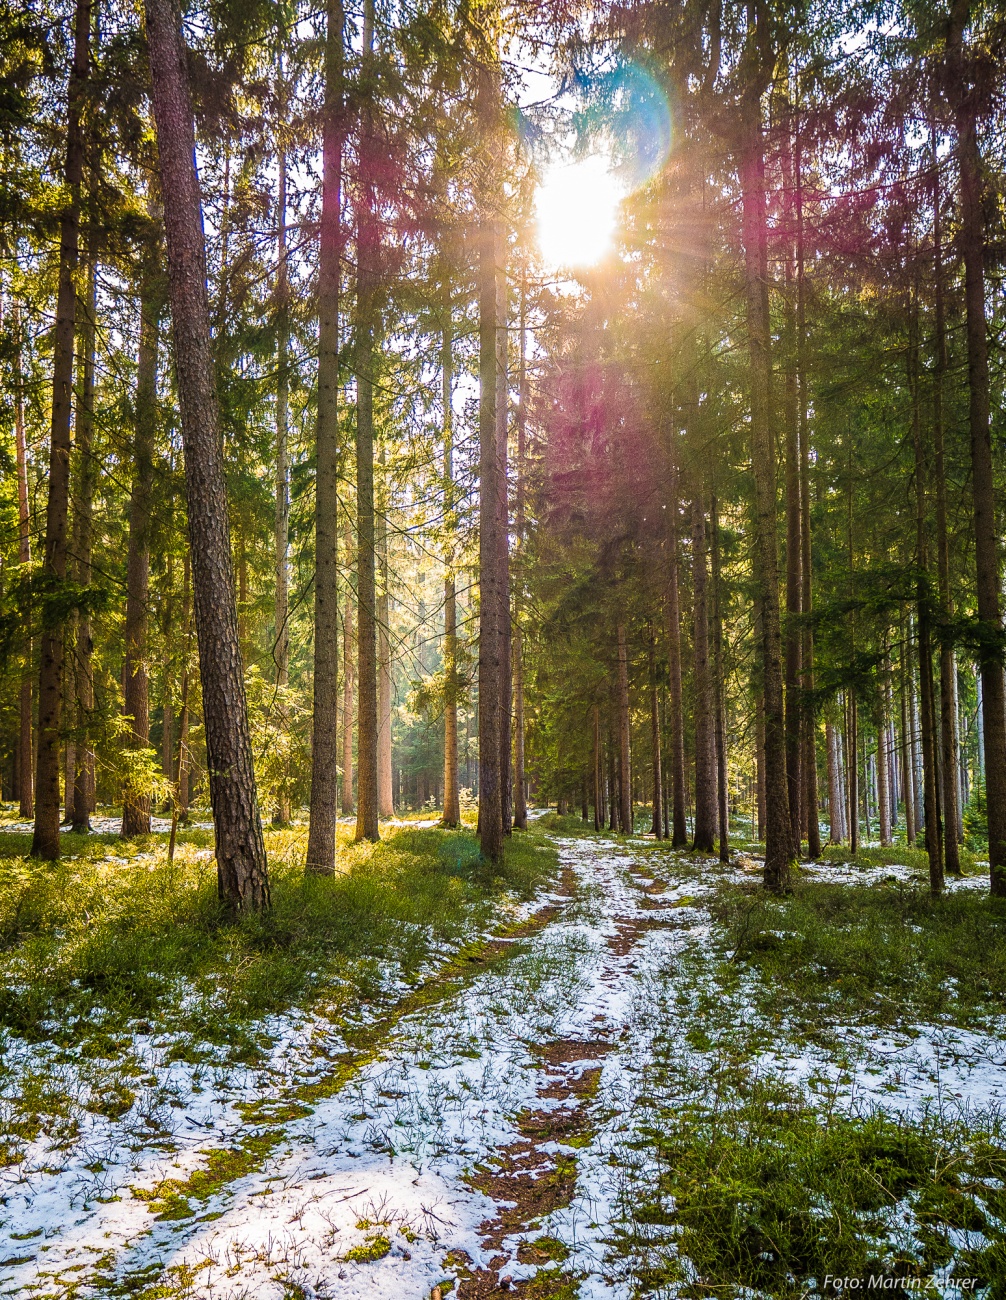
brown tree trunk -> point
(45, 841)
(719, 693)
(452, 802)
(385, 793)
(242, 875)
(503, 541)
(972, 244)
(324, 744)
(598, 801)
(834, 785)
(704, 829)
(520, 799)
(852, 770)
(624, 757)
(657, 826)
(348, 805)
(136, 803)
(25, 756)
(794, 580)
(883, 788)
(679, 829)
(83, 667)
(492, 493)
(281, 518)
(779, 853)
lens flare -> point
(577, 209)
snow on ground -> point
(369, 1192)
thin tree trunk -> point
(25, 757)
(972, 244)
(679, 831)
(852, 770)
(704, 830)
(281, 520)
(779, 854)
(598, 805)
(834, 784)
(348, 805)
(520, 800)
(657, 826)
(503, 541)
(794, 581)
(624, 764)
(324, 744)
(385, 799)
(719, 693)
(492, 491)
(242, 875)
(45, 841)
(452, 801)
(883, 789)
(136, 803)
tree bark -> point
(779, 853)
(348, 805)
(704, 830)
(452, 802)
(719, 693)
(503, 541)
(25, 756)
(385, 793)
(598, 798)
(852, 770)
(794, 579)
(136, 803)
(520, 798)
(679, 830)
(492, 492)
(242, 875)
(324, 744)
(281, 519)
(972, 244)
(45, 841)
(624, 756)
(657, 826)
(834, 785)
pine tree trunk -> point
(704, 830)
(281, 517)
(492, 491)
(598, 798)
(852, 770)
(25, 756)
(242, 876)
(679, 829)
(834, 785)
(794, 582)
(883, 789)
(520, 799)
(503, 541)
(136, 803)
(719, 693)
(779, 853)
(348, 804)
(972, 245)
(385, 799)
(45, 841)
(452, 803)
(657, 826)
(624, 757)
(325, 717)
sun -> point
(577, 209)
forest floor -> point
(612, 1070)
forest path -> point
(495, 1136)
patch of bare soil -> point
(528, 1183)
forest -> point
(502, 694)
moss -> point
(375, 1247)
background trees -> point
(721, 514)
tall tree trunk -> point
(719, 692)
(242, 875)
(492, 489)
(972, 244)
(598, 798)
(704, 831)
(324, 744)
(136, 803)
(834, 784)
(503, 541)
(657, 826)
(348, 694)
(45, 841)
(281, 518)
(385, 794)
(883, 788)
(520, 798)
(852, 769)
(948, 712)
(624, 763)
(25, 756)
(87, 475)
(794, 577)
(779, 853)
(452, 802)
(679, 829)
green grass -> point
(94, 947)
(884, 955)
